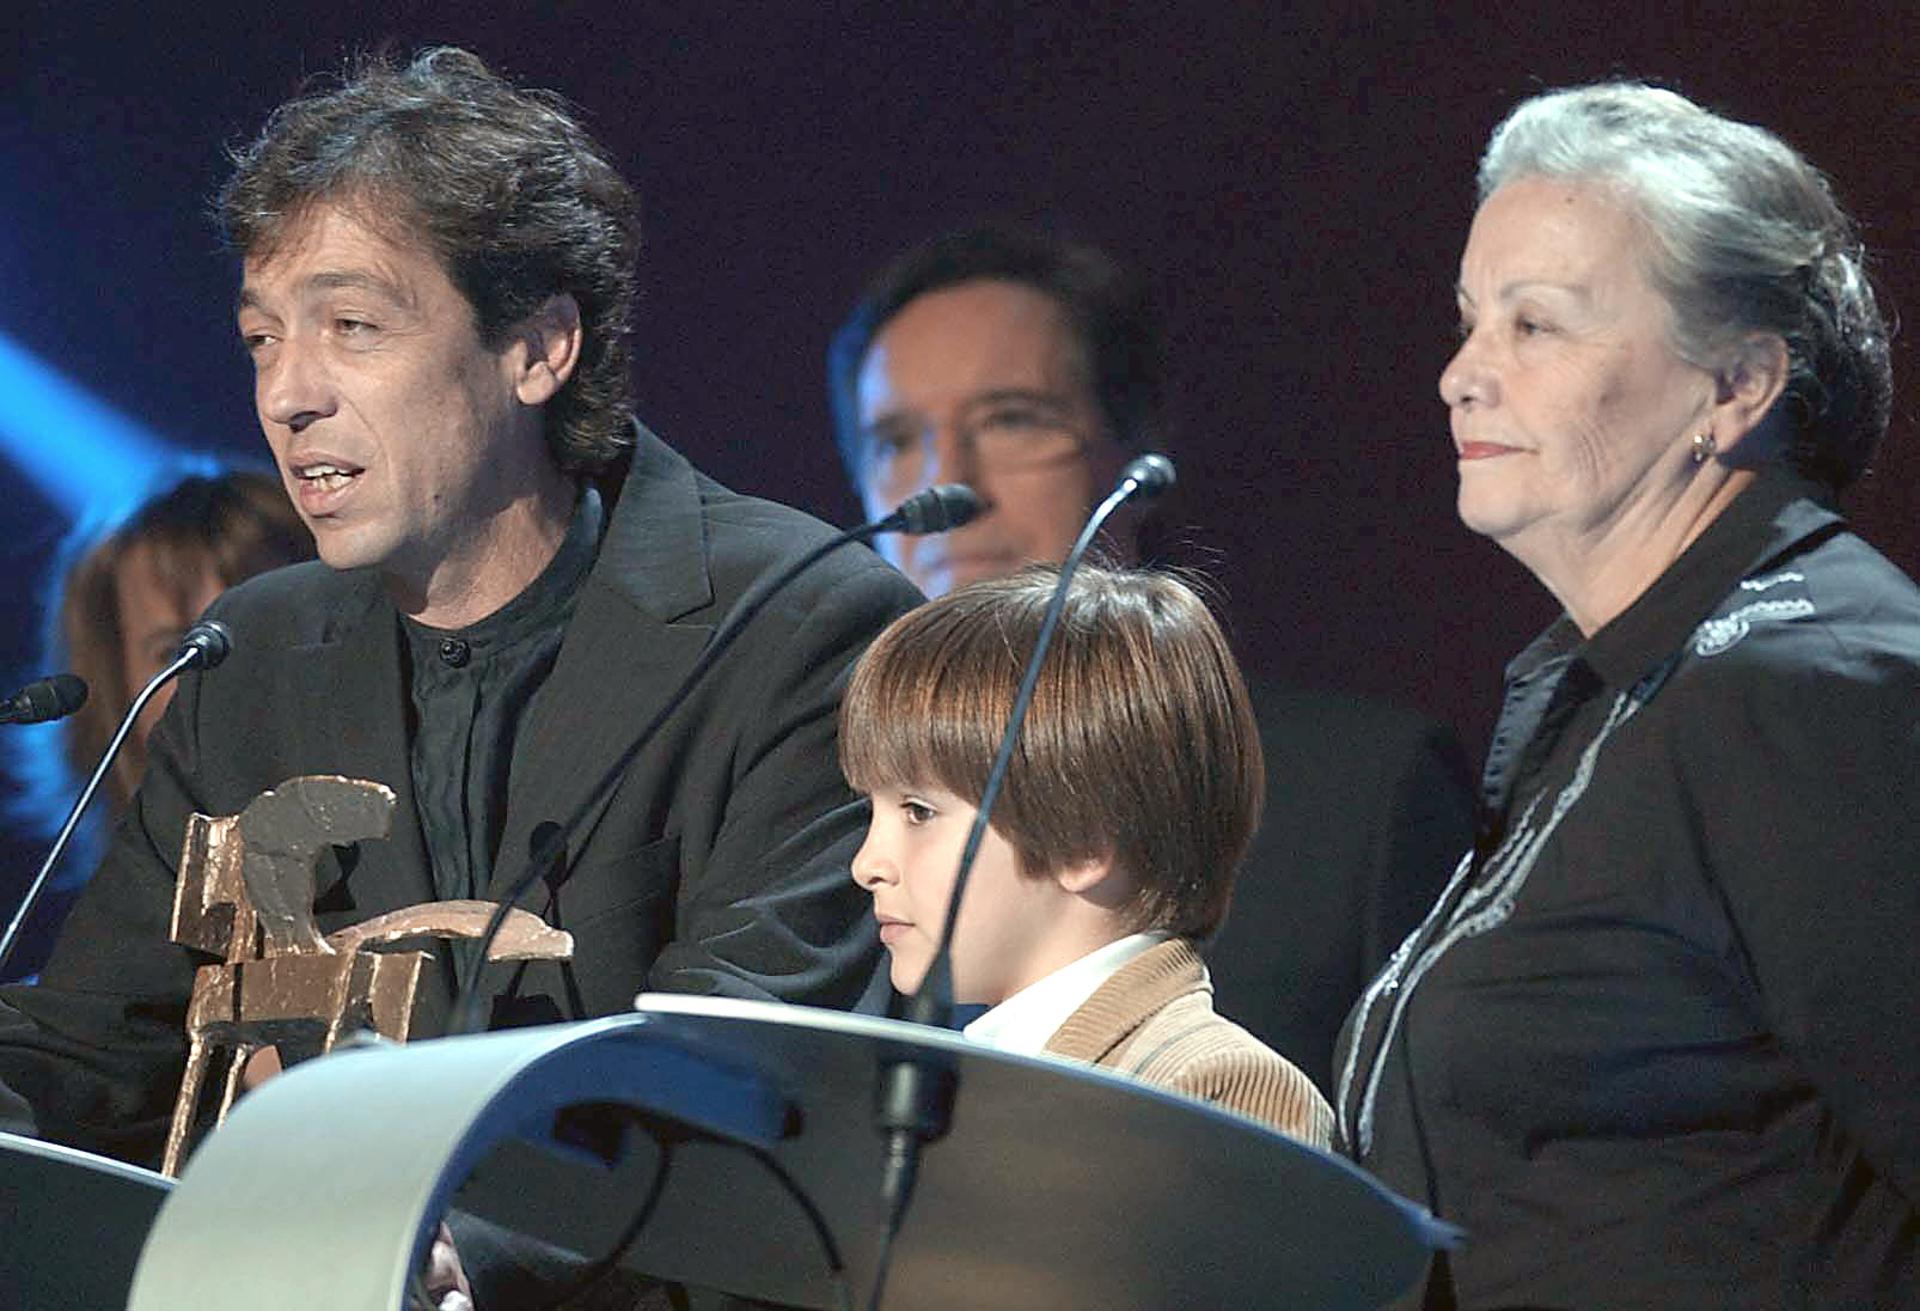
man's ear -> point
(1746, 389)
(548, 341)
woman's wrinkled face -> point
(1572, 415)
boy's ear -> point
(1086, 876)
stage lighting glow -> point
(77, 449)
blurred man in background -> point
(1031, 368)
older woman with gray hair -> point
(1658, 1044)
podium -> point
(1058, 1186)
(71, 1225)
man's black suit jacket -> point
(718, 863)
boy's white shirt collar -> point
(1024, 1022)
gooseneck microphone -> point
(1146, 477)
(202, 646)
(935, 510)
(914, 1098)
(45, 700)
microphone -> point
(1145, 477)
(1151, 476)
(935, 510)
(547, 855)
(914, 1098)
(202, 646)
(46, 700)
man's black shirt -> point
(471, 689)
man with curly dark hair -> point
(514, 576)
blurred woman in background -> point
(125, 585)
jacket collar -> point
(1773, 516)
(1136, 992)
(655, 551)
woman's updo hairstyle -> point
(1746, 236)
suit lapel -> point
(623, 656)
(359, 729)
(604, 689)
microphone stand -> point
(205, 645)
(914, 1097)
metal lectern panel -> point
(71, 1225)
(1057, 1187)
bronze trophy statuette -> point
(245, 894)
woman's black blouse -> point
(1658, 1045)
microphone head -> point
(1151, 474)
(47, 699)
(206, 643)
(938, 509)
(547, 851)
(69, 694)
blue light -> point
(77, 449)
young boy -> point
(1130, 801)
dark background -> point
(1294, 185)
